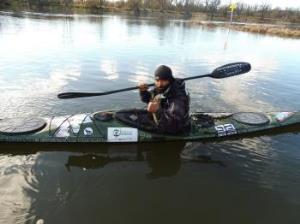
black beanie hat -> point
(163, 72)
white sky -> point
(274, 3)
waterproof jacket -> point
(173, 115)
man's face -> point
(161, 84)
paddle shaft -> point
(152, 84)
(85, 94)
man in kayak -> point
(168, 102)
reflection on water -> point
(44, 55)
(52, 185)
(110, 69)
(16, 178)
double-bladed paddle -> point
(224, 71)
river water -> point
(250, 180)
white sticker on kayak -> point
(282, 116)
(63, 131)
(225, 130)
(87, 119)
(116, 134)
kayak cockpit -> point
(21, 126)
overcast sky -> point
(273, 3)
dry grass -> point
(270, 30)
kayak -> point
(123, 126)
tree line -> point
(211, 8)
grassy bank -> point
(264, 29)
(269, 30)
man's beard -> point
(162, 89)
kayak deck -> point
(86, 128)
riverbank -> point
(288, 30)
(282, 30)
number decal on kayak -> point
(225, 130)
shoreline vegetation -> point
(261, 19)
(280, 30)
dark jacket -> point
(173, 115)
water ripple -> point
(16, 179)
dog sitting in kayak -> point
(167, 103)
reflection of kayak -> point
(125, 127)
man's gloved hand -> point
(143, 87)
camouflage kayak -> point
(123, 126)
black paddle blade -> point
(231, 69)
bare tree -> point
(264, 9)
(135, 6)
(187, 11)
(240, 8)
(213, 7)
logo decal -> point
(88, 131)
(121, 134)
(116, 132)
